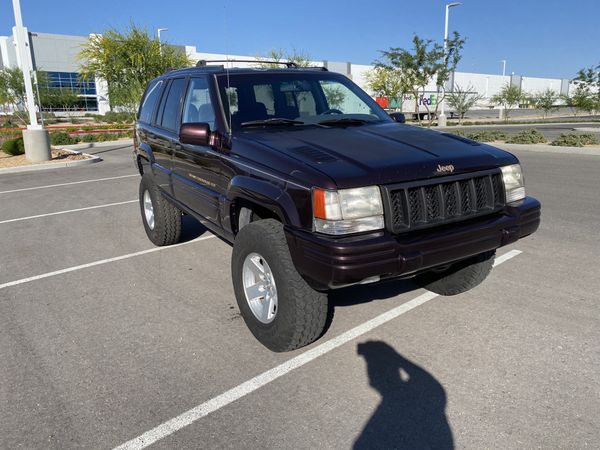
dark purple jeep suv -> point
(318, 188)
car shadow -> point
(191, 229)
(364, 293)
(412, 412)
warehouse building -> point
(56, 54)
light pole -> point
(503, 61)
(158, 30)
(442, 118)
(35, 137)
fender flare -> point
(144, 158)
(263, 194)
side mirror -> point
(398, 117)
(195, 133)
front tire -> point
(460, 277)
(162, 220)
(279, 307)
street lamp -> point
(35, 138)
(442, 118)
(158, 30)
(503, 61)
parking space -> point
(130, 336)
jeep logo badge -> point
(444, 169)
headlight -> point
(347, 210)
(513, 183)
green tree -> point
(509, 97)
(545, 100)
(427, 61)
(12, 87)
(5, 99)
(128, 60)
(274, 56)
(583, 99)
(12, 93)
(588, 91)
(569, 102)
(387, 82)
(462, 100)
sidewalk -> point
(545, 148)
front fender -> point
(263, 194)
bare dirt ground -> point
(20, 160)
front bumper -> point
(329, 262)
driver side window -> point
(198, 106)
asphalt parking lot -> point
(105, 338)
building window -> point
(85, 89)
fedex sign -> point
(424, 100)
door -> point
(195, 168)
(164, 135)
(147, 132)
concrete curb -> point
(544, 148)
(86, 145)
(55, 165)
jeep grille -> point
(434, 202)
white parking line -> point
(69, 184)
(18, 219)
(100, 262)
(187, 418)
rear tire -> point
(301, 312)
(460, 277)
(162, 220)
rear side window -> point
(149, 103)
(169, 110)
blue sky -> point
(547, 38)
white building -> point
(56, 54)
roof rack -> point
(289, 64)
(204, 62)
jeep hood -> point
(380, 153)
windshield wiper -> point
(273, 121)
(345, 121)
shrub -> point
(487, 135)
(92, 137)
(126, 134)
(13, 147)
(117, 117)
(103, 137)
(61, 138)
(482, 136)
(588, 139)
(531, 136)
(574, 140)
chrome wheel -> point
(148, 210)
(259, 287)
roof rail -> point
(204, 62)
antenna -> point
(226, 28)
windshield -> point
(295, 99)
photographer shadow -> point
(411, 414)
